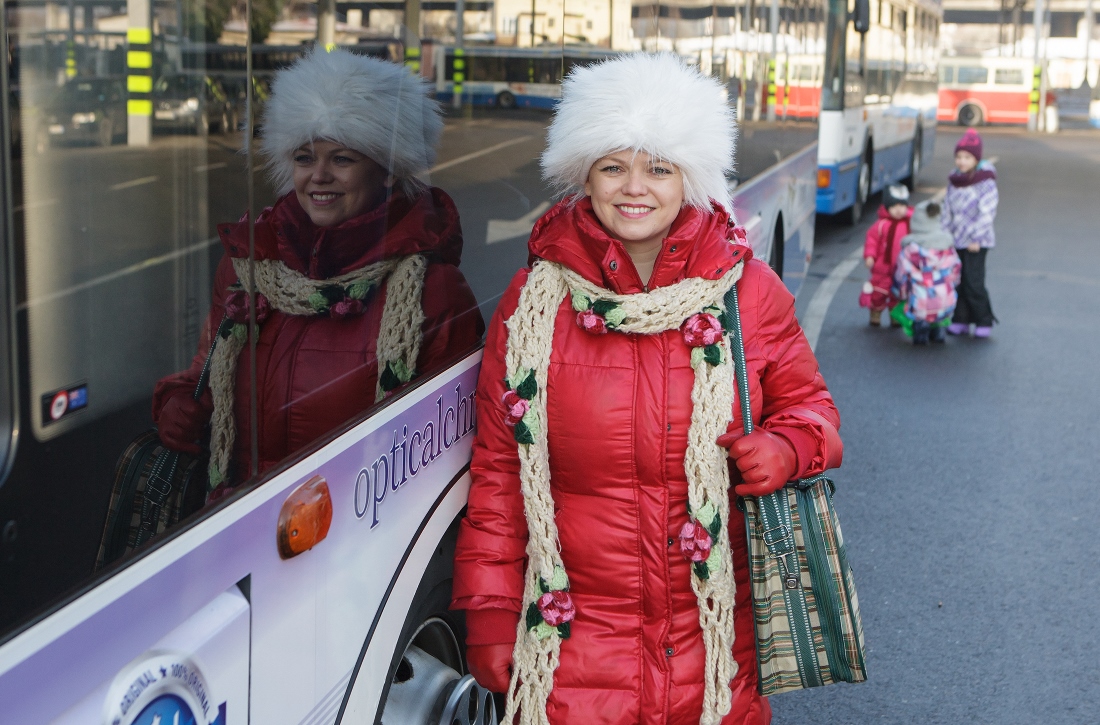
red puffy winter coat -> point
(883, 244)
(618, 411)
(315, 373)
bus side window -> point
(1008, 77)
(947, 74)
(973, 74)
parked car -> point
(191, 103)
(86, 110)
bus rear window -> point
(973, 74)
(1009, 77)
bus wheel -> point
(427, 689)
(775, 259)
(505, 99)
(863, 192)
(970, 115)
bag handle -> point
(773, 511)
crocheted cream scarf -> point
(548, 608)
(293, 293)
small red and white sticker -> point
(59, 405)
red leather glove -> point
(490, 639)
(766, 461)
(181, 422)
(491, 665)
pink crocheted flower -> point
(236, 307)
(557, 607)
(739, 235)
(515, 407)
(589, 321)
(695, 541)
(346, 308)
(701, 329)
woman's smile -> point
(334, 183)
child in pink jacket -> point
(880, 251)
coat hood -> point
(699, 244)
(425, 224)
(926, 231)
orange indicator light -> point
(305, 518)
(824, 178)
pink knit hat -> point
(970, 142)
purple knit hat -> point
(970, 142)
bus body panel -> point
(842, 136)
(784, 191)
(310, 614)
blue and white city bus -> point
(508, 77)
(878, 99)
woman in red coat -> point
(605, 411)
(355, 269)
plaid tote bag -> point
(808, 628)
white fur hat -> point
(373, 106)
(652, 103)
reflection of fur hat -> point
(895, 194)
(373, 106)
(652, 103)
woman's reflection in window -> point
(356, 269)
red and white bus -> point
(976, 91)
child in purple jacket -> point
(968, 212)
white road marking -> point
(476, 154)
(502, 229)
(135, 182)
(210, 167)
(823, 296)
(35, 205)
(139, 266)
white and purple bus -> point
(109, 254)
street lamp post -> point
(1034, 111)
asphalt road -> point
(968, 490)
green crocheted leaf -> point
(332, 292)
(714, 561)
(357, 290)
(580, 300)
(560, 580)
(701, 570)
(565, 629)
(240, 332)
(602, 307)
(544, 630)
(522, 434)
(705, 513)
(226, 328)
(544, 588)
(215, 477)
(534, 616)
(713, 354)
(401, 370)
(388, 380)
(697, 356)
(531, 421)
(715, 526)
(615, 317)
(318, 302)
(529, 387)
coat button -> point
(670, 541)
(614, 265)
(672, 248)
(668, 652)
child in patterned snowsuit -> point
(880, 251)
(928, 270)
(968, 213)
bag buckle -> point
(790, 580)
(784, 534)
